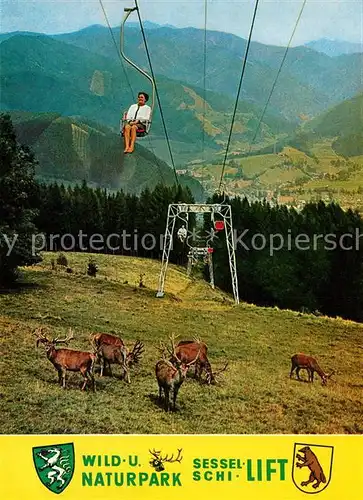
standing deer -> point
(67, 359)
(119, 354)
(187, 349)
(171, 375)
(299, 361)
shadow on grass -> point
(160, 403)
(72, 383)
(304, 381)
(108, 374)
(21, 287)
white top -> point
(137, 112)
(182, 233)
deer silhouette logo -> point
(158, 461)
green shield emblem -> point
(54, 465)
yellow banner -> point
(164, 467)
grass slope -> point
(255, 394)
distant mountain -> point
(310, 82)
(72, 150)
(335, 48)
(43, 74)
(149, 25)
(79, 75)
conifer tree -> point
(18, 200)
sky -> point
(275, 21)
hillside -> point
(254, 395)
(342, 120)
(73, 150)
(343, 123)
(324, 160)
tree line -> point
(310, 260)
(317, 263)
(135, 224)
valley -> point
(307, 147)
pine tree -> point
(18, 201)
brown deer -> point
(171, 375)
(99, 339)
(186, 350)
(105, 338)
(299, 361)
(119, 354)
(68, 359)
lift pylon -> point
(205, 252)
(224, 213)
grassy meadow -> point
(254, 395)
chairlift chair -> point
(140, 132)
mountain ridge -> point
(334, 47)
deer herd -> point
(171, 370)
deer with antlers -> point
(97, 339)
(302, 361)
(158, 461)
(171, 374)
(186, 351)
(119, 354)
(67, 359)
(111, 349)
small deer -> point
(68, 359)
(299, 361)
(186, 351)
(158, 461)
(119, 354)
(171, 375)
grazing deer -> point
(299, 361)
(171, 375)
(119, 354)
(158, 461)
(67, 359)
(133, 357)
(186, 351)
(105, 338)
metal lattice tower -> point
(175, 210)
(193, 255)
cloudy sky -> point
(335, 19)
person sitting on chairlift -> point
(137, 117)
(182, 233)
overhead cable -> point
(238, 92)
(277, 76)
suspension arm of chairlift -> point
(127, 12)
